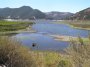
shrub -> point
(64, 63)
(79, 53)
(12, 54)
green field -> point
(13, 26)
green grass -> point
(51, 59)
(47, 58)
(13, 26)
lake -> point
(45, 42)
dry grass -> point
(13, 54)
(79, 53)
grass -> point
(79, 53)
(80, 24)
(13, 54)
(13, 26)
(51, 59)
(46, 58)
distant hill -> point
(58, 15)
(82, 15)
(24, 12)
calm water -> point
(60, 29)
(45, 42)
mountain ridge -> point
(82, 15)
(24, 12)
(58, 15)
(27, 12)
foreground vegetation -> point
(79, 53)
(13, 26)
(13, 54)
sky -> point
(48, 5)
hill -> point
(24, 12)
(58, 15)
(82, 15)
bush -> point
(79, 53)
(12, 54)
(64, 63)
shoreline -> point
(28, 30)
(66, 38)
(62, 37)
(71, 25)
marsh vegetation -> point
(79, 24)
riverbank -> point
(78, 27)
(26, 30)
(11, 27)
(85, 25)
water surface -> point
(45, 42)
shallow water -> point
(60, 29)
(44, 42)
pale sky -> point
(48, 5)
